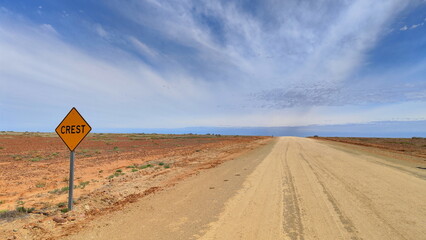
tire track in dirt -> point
(258, 202)
(367, 202)
(344, 220)
(292, 223)
(373, 196)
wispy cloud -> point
(100, 30)
(48, 28)
(184, 63)
(282, 44)
(142, 48)
(310, 96)
(38, 69)
(404, 28)
(413, 26)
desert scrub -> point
(65, 210)
(167, 166)
(161, 163)
(60, 191)
(24, 210)
(16, 157)
(36, 159)
(19, 211)
(82, 185)
(145, 166)
(117, 173)
(9, 215)
(40, 185)
(135, 169)
(115, 149)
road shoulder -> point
(181, 211)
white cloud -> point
(217, 55)
(39, 71)
(285, 45)
(416, 25)
(313, 42)
(404, 28)
(101, 31)
(48, 28)
(142, 48)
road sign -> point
(73, 129)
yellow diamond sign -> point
(73, 129)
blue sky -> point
(175, 64)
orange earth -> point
(402, 148)
(111, 170)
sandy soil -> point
(294, 189)
(112, 170)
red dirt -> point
(35, 165)
(410, 146)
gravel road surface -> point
(293, 188)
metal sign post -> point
(72, 130)
(71, 181)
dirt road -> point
(294, 188)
